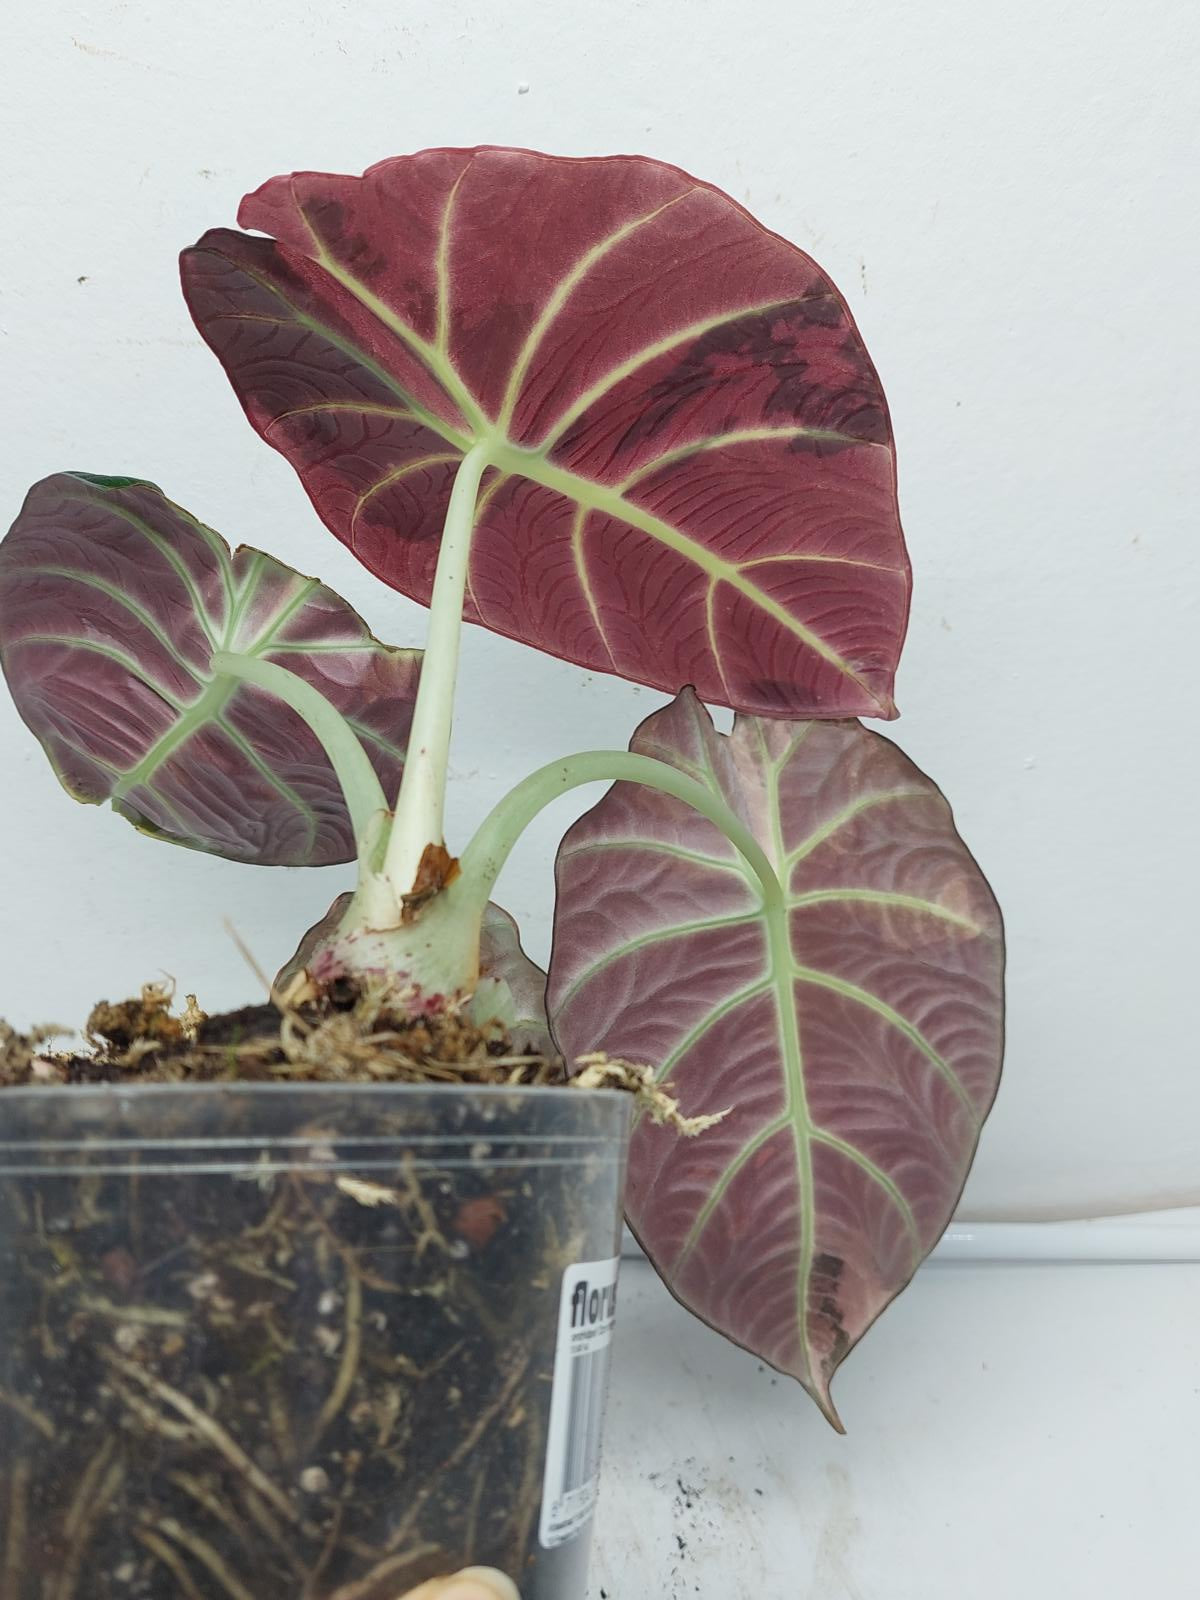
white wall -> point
(1002, 192)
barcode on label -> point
(587, 1311)
(589, 1383)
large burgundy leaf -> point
(855, 1031)
(695, 479)
(112, 603)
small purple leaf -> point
(694, 474)
(502, 957)
(855, 1030)
(312, 940)
(113, 601)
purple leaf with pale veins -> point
(113, 601)
(694, 475)
(855, 1032)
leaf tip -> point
(828, 1410)
(886, 708)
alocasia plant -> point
(595, 406)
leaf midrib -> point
(779, 939)
(609, 502)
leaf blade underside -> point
(695, 478)
(855, 1031)
(113, 601)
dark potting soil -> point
(318, 1368)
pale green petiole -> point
(365, 799)
(420, 805)
(438, 950)
(441, 949)
(485, 856)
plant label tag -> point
(587, 1312)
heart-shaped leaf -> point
(113, 602)
(694, 478)
(853, 1027)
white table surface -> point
(1014, 1431)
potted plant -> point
(314, 1299)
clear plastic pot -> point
(302, 1343)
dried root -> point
(361, 1036)
(21, 1057)
(598, 1072)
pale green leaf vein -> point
(579, 557)
(442, 336)
(436, 360)
(709, 1021)
(299, 318)
(793, 1059)
(396, 475)
(373, 736)
(651, 352)
(848, 814)
(92, 580)
(135, 669)
(721, 1187)
(885, 898)
(190, 721)
(879, 1177)
(895, 1019)
(721, 441)
(563, 290)
(164, 547)
(295, 603)
(656, 847)
(599, 497)
(644, 941)
(276, 782)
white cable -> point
(1163, 1236)
(1151, 1236)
